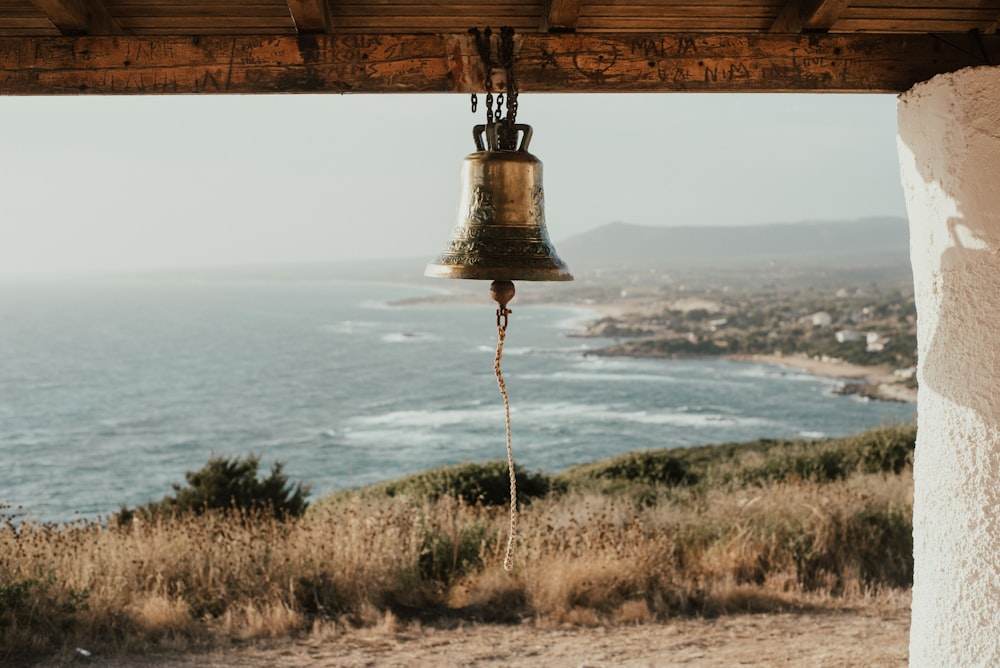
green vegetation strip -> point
(758, 526)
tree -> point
(230, 484)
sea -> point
(110, 392)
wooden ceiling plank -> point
(173, 25)
(917, 14)
(468, 11)
(425, 63)
(678, 25)
(79, 17)
(628, 5)
(801, 15)
(562, 15)
(945, 5)
(311, 16)
(717, 13)
(914, 26)
(195, 14)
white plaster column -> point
(949, 154)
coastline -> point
(871, 382)
(867, 381)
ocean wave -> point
(405, 337)
(561, 351)
(602, 377)
(426, 418)
(552, 415)
(774, 371)
(376, 304)
(349, 327)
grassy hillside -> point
(756, 526)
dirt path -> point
(788, 639)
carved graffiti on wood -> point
(450, 63)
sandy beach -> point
(882, 383)
(875, 382)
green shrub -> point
(873, 544)
(35, 613)
(487, 484)
(887, 449)
(883, 542)
(651, 467)
(230, 484)
(820, 465)
(449, 554)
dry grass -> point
(583, 558)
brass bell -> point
(501, 231)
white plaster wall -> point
(949, 153)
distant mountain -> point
(869, 242)
(871, 249)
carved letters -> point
(546, 62)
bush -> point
(35, 612)
(230, 484)
(819, 465)
(651, 467)
(886, 450)
(449, 553)
(487, 484)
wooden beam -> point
(79, 17)
(808, 15)
(424, 63)
(562, 15)
(311, 16)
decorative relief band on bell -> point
(500, 249)
(524, 262)
(500, 232)
(537, 211)
(481, 209)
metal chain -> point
(507, 59)
(494, 112)
(483, 46)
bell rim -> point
(485, 273)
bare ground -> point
(825, 638)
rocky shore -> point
(871, 382)
(628, 320)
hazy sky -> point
(94, 184)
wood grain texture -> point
(562, 15)
(390, 63)
(800, 15)
(79, 17)
(310, 15)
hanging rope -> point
(502, 313)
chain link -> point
(483, 46)
(495, 113)
(498, 115)
(507, 60)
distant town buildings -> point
(822, 319)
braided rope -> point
(508, 560)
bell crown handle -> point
(488, 137)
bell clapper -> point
(502, 292)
